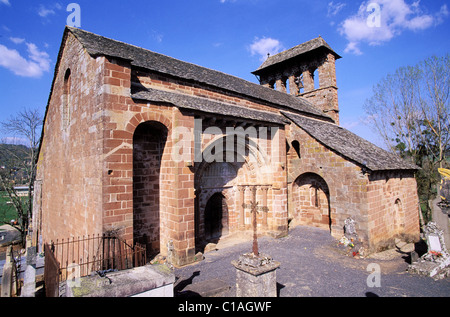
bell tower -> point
(308, 71)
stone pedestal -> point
(256, 276)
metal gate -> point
(74, 258)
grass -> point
(7, 211)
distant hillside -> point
(13, 158)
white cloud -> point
(5, 2)
(45, 11)
(157, 36)
(396, 16)
(37, 63)
(39, 57)
(17, 40)
(442, 14)
(265, 46)
(350, 124)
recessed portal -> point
(215, 210)
(148, 147)
(311, 199)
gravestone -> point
(436, 262)
(350, 240)
(349, 228)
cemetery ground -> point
(313, 264)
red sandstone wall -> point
(384, 204)
(346, 184)
(122, 117)
(70, 157)
(324, 97)
(393, 205)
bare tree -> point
(393, 110)
(25, 125)
(435, 105)
(410, 110)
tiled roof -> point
(350, 145)
(139, 57)
(208, 105)
(298, 50)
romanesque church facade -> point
(168, 153)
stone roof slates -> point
(139, 57)
(296, 51)
(207, 105)
(350, 145)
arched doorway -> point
(211, 213)
(311, 199)
(223, 167)
(149, 141)
(215, 217)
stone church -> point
(171, 154)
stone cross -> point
(254, 211)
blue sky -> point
(232, 36)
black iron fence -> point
(73, 258)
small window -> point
(314, 191)
(316, 79)
(287, 87)
(296, 146)
(66, 99)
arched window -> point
(287, 87)
(66, 99)
(316, 79)
(296, 146)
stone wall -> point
(69, 169)
(393, 208)
(296, 78)
(325, 96)
(345, 181)
(121, 117)
(383, 204)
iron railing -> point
(78, 257)
(52, 271)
